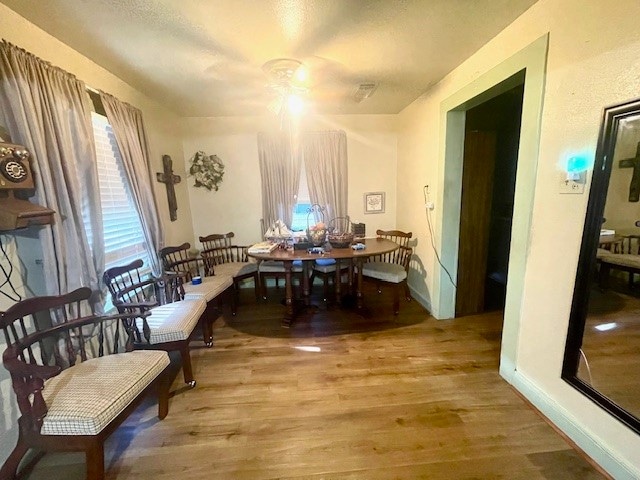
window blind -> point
(123, 237)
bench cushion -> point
(209, 289)
(174, 321)
(628, 260)
(235, 269)
(387, 272)
(85, 398)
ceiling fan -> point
(289, 81)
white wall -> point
(592, 62)
(164, 138)
(237, 206)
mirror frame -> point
(587, 261)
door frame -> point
(528, 66)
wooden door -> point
(475, 215)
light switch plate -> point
(572, 186)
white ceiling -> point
(204, 58)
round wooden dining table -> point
(373, 246)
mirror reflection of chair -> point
(181, 261)
(221, 256)
(393, 267)
(171, 321)
(621, 253)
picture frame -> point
(374, 202)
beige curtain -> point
(48, 110)
(131, 137)
(279, 158)
(325, 161)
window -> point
(123, 237)
(303, 204)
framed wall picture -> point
(374, 202)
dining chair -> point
(392, 267)
(221, 256)
(274, 269)
(325, 268)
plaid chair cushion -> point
(174, 321)
(387, 272)
(623, 259)
(209, 289)
(85, 398)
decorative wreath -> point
(207, 170)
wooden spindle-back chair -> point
(392, 267)
(223, 256)
(172, 320)
(56, 355)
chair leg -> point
(396, 299)
(325, 284)
(407, 292)
(187, 371)
(164, 383)
(95, 461)
(234, 300)
(256, 286)
(263, 286)
(10, 467)
(206, 324)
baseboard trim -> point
(422, 300)
(507, 369)
(617, 467)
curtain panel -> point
(131, 138)
(279, 158)
(325, 161)
(48, 110)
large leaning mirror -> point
(602, 357)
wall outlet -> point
(429, 205)
(572, 186)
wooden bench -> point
(623, 255)
(224, 258)
(171, 320)
(178, 260)
(77, 379)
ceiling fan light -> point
(295, 104)
(301, 75)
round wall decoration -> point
(207, 170)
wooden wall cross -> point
(169, 179)
(634, 188)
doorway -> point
(490, 159)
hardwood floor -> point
(339, 396)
